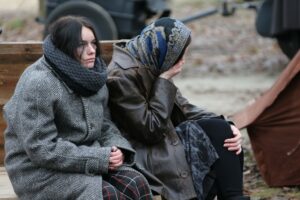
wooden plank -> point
(107, 49)
(2, 155)
(6, 189)
(7, 192)
(7, 87)
(35, 47)
(28, 52)
(12, 69)
(2, 128)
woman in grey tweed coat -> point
(59, 141)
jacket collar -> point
(123, 58)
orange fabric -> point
(273, 125)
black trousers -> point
(229, 167)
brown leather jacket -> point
(146, 109)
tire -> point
(264, 19)
(289, 43)
(104, 25)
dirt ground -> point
(228, 66)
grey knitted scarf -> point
(83, 81)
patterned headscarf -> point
(160, 44)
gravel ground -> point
(228, 65)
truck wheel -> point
(102, 21)
(289, 43)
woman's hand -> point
(173, 71)
(116, 158)
(235, 143)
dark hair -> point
(66, 34)
(183, 50)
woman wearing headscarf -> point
(59, 141)
(194, 153)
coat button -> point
(92, 125)
(183, 174)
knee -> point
(137, 185)
(140, 183)
(216, 129)
(110, 192)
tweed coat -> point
(147, 109)
(57, 143)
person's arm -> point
(39, 135)
(191, 111)
(144, 116)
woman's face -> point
(86, 52)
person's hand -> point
(116, 158)
(235, 143)
(173, 71)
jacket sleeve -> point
(193, 112)
(38, 134)
(143, 116)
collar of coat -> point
(123, 58)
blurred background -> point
(228, 63)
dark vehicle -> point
(280, 19)
(123, 19)
(113, 19)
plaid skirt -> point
(125, 185)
